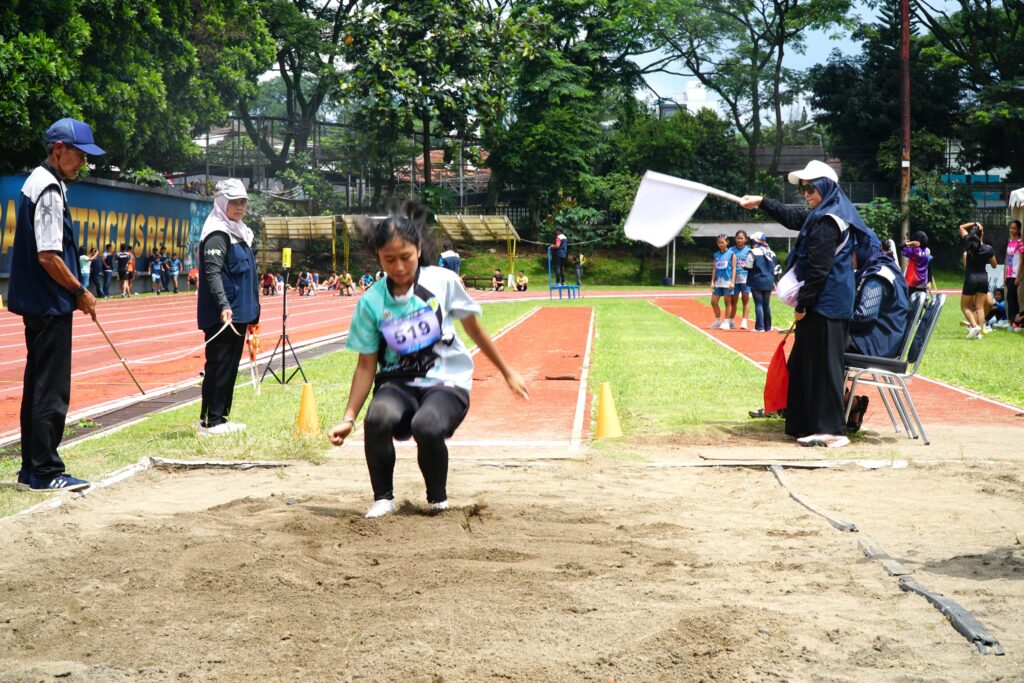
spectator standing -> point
(228, 295)
(85, 265)
(123, 260)
(1014, 248)
(449, 258)
(919, 259)
(741, 264)
(45, 291)
(761, 280)
(131, 268)
(109, 263)
(722, 284)
(165, 270)
(175, 271)
(977, 255)
(559, 253)
(156, 273)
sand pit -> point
(561, 570)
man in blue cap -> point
(44, 290)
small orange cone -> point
(608, 426)
(309, 423)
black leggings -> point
(219, 373)
(429, 415)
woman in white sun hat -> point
(822, 262)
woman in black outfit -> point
(831, 231)
(976, 256)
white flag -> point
(664, 205)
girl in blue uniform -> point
(722, 283)
(741, 258)
(409, 354)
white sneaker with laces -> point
(380, 508)
(727, 325)
(743, 324)
(221, 429)
(437, 507)
(973, 332)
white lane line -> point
(581, 398)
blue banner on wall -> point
(105, 211)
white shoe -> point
(715, 325)
(727, 325)
(221, 429)
(829, 440)
(986, 329)
(437, 507)
(973, 332)
(380, 508)
(743, 324)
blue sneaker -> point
(62, 482)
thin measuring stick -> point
(118, 354)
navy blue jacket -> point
(239, 286)
(825, 267)
(880, 318)
(762, 275)
(31, 292)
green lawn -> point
(666, 378)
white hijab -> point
(218, 220)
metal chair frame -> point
(892, 385)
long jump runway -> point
(936, 402)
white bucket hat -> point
(813, 169)
(232, 188)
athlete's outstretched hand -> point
(517, 384)
(339, 432)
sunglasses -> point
(807, 189)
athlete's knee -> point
(382, 417)
(427, 426)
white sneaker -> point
(743, 324)
(829, 440)
(221, 429)
(380, 508)
(715, 325)
(986, 329)
(973, 332)
(437, 507)
(727, 325)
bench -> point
(701, 270)
(475, 282)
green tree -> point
(857, 99)
(736, 48)
(310, 39)
(146, 76)
(422, 63)
(987, 40)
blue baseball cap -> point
(73, 132)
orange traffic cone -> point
(309, 423)
(608, 426)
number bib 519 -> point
(412, 332)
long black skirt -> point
(814, 402)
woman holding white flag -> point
(821, 265)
